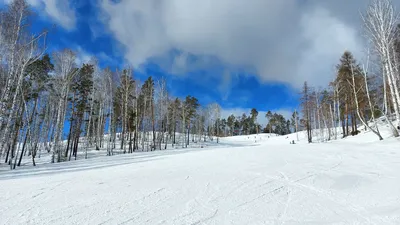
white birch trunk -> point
(376, 130)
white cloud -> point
(225, 85)
(33, 2)
(330, 38)
(286, 40)
(261, 119)
(106, 58)
(61, 12)
(82, 56)
(58, 10)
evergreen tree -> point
(345, 68)
(269, 117)
(254, 114)
(231, 123)
(190, 106)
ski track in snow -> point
(236, 182)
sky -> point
(241, 54)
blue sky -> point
(237, 54)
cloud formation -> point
(286, 41)
(60, 11)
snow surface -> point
(242, 180)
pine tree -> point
(190, 107)
(269, 117)
(230, 123)
(347, 102)
(146, 103)
(254, 114)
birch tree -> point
(162, 101)
(354, 72)
(127, 89)
(380, 21)
(65, 71)
(20, 49)
(214, 114)
(306, 105)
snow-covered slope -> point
(258, 179)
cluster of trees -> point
(360, 92)
(245, 125)
(278, 124)
(49, 103)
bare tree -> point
(20, 49)
(65, 70)
(213, 114)
(161, 99)
(356, 89)
(380, 21)
(307, 108)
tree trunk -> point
(23, 148)
(358, 109)
(153, 125)
(347, 119)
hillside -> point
(257, 179)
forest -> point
(50, 103)
(363, 91)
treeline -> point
(44, 96)
(245, 125)
(361, 91)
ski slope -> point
(241, 180)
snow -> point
(242, 180)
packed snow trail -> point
(270, 182)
